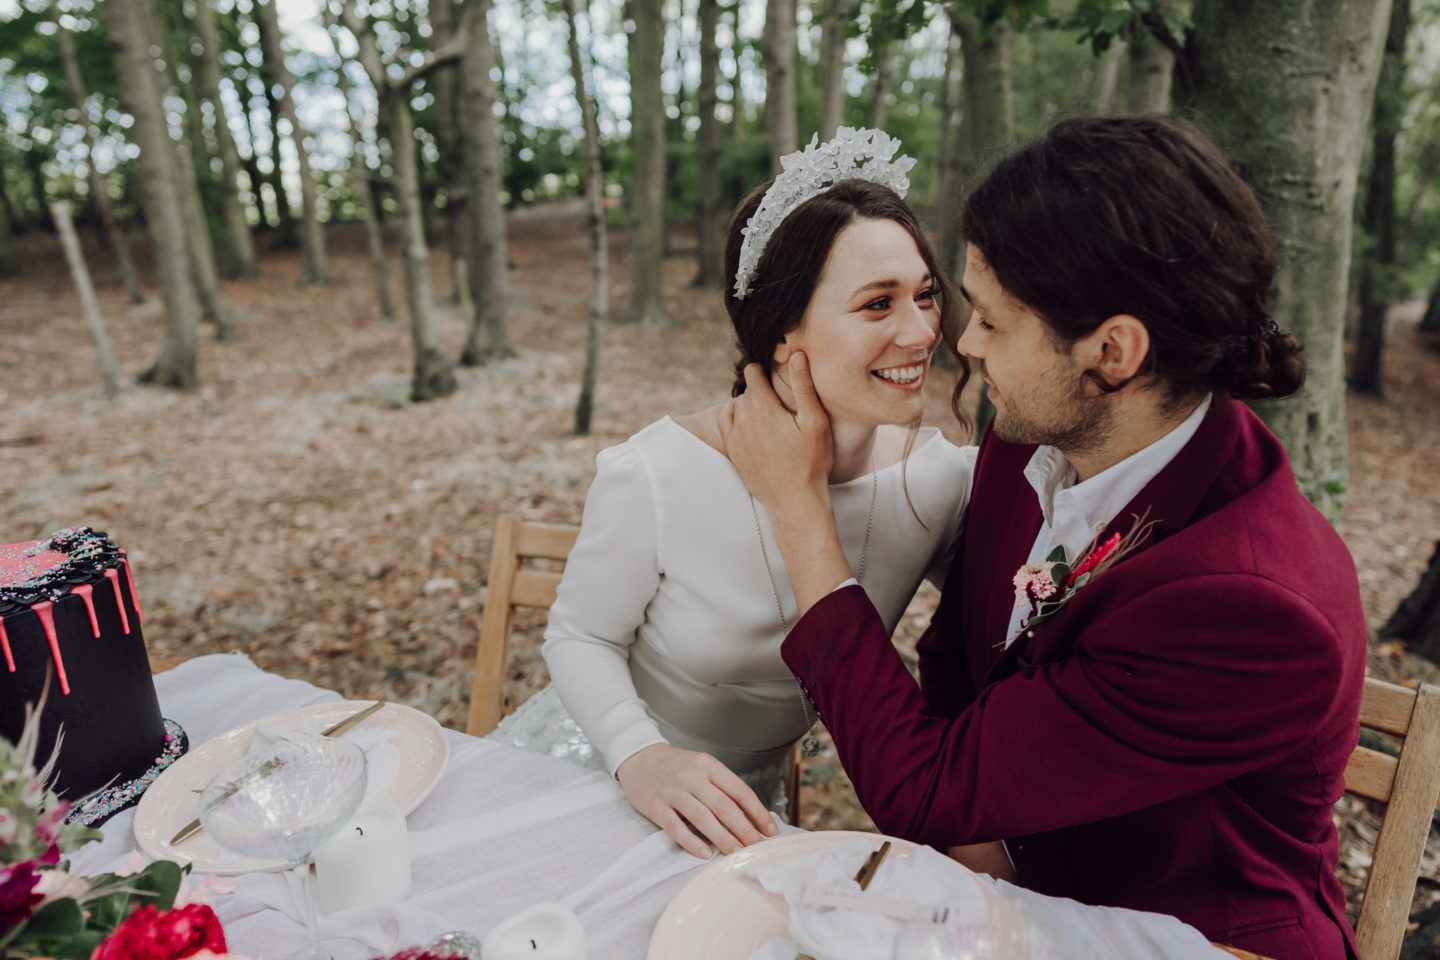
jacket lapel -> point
(1170, 501)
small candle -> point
(367, 862)
(547, 931)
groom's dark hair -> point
(1104, 216)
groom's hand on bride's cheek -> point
(694, 798)
(776, 452)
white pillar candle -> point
(547, 931)
(367, 862)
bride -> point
(663, 644)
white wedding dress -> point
(665, 627)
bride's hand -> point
(777, 453)
(671, 786)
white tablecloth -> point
(503, 830)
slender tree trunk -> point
(130, 40)
(1418, 617)
(89, 306)
(711, 266)
(201, 247)
(739, 124)
(780, 120)
(1377, 260)
(595, 211)
(1151, 67)
(647, 132)
(287, 233)
(312, 236)
(1285, 89)
(114, 233)
(832, 68)
(947, 120)
(1430, 322)
(449, 142)
(240, 259)
(880, 86)
(1107, 76)
(365, 193)
(9, 266)
(489, 336)
(434, 375)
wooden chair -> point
(513, 584)
(1409, 786)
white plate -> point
(722, 915)
(420, 747)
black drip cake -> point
(68, 612)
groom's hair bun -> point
(1102, 216)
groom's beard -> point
(1050, 413)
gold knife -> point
(335, 730)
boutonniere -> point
(1049, 584)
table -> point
(503, 830)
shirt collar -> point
(1070, 507)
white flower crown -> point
(851, 155)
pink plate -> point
(721, 915)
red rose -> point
(18, 898)
(148, 934)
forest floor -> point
(298, 508)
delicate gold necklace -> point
(809, 743)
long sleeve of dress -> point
(610, 577)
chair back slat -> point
(1405, 826)
(534, 588)
(548, 541)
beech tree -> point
(1284, 88)
(114, 232)
(709, 253)
(832, 66)
(1377, 260)
(594, 227)
(312, 236)
(780, 119)
(647, 193)
(131, 39)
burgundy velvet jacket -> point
(1172, 740)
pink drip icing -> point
(44, 611)
(113, 576)
(5, 645)
(87, 593)
(134, 597)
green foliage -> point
(1101, 22)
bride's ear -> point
(783, 350)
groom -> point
(1144, 674)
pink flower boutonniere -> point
(1049, 584)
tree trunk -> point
(114, 233)
(449, 143)
(1430, 322)
(880, 86)
(780, 120)
(1285, 89)
(647, 132)
(947, 214)
(364, 192)
(739, 126)
(1151, 67)
(89, 306)
(595, 207)
(711, 266)
(240, 259)
(1417, 619)
(1107, 76)
(1377, 259)
(201, 247)
(9, 267)
(489, 336)
(434, 375)
(312, 236)
(287, 234)
(832, 68)
(130, 40)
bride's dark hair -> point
(789, 269)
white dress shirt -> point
(1076, 513)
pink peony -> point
(18, 898)
(148, 934)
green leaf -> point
(1056, 556)
(1080, 581)
(1060, 573)
(57, 918)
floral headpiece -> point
(852, 155)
